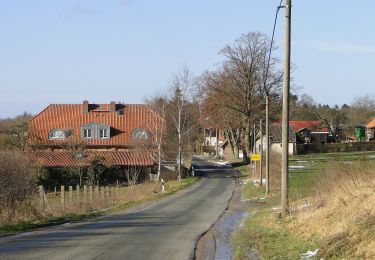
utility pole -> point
(285, 110)
(267, 92)
(255, 149)
(261, 152)
(267, 147)
(217, 142)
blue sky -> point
(65, 51)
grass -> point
(347, 196)
(171, 188)
(265, 233)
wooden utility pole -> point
(267, 147)
(285, 114)
(255, 149)
(261, 152)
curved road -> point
(164, 229)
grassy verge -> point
(171, 188)
(263, 232)
(341, 227)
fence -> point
(69, 199)
(335, 147)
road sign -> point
(255, 157)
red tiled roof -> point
(74, 158)
(71, 117)
(311, 125)
(371, 124)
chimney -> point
(112, 106)
(85, 107)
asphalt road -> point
(164, 229)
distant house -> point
(275, 132)
(310, 132)
(276, 139)
(72, 134)
(371, 130)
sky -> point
(66, 51)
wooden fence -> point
(69, 199)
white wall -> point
(276, 147)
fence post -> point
(162, 186)
(78, 195)
(70, 195)
(90, 191)
(41, 197)
(102, 193)
(62, 194)
(96, 191)
(85, 193)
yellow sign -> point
(255, 157)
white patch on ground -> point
(302, 161)
(257, 181)
(348, 162)
(309, 254)
(297, 167)
(371, 156)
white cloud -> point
(337, 47)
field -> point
(321, 187)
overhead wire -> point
(271, 47)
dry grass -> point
(341, 211)
(52, 205)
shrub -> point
(17, 183)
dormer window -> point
(103, 133)
(139, 134)
(95, 131)
(87, 133)
(58, 134)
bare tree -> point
(157, 129)
(132, 174)
(181, 91)
(238, 85)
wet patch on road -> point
(216, 242)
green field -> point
(303, 169)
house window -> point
(103, 133)
(87, 133)
(59, 134)
(95, 131)
(139, 134)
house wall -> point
(277, 148)
(371, 134)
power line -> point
(267, 103)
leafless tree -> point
(181, 92)
(156, 127)
(238, 84)
(132, 174)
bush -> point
(17, 183)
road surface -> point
(164, 229)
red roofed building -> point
(108, 129)
(313, 126)
(371, 130)
(310, 132)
